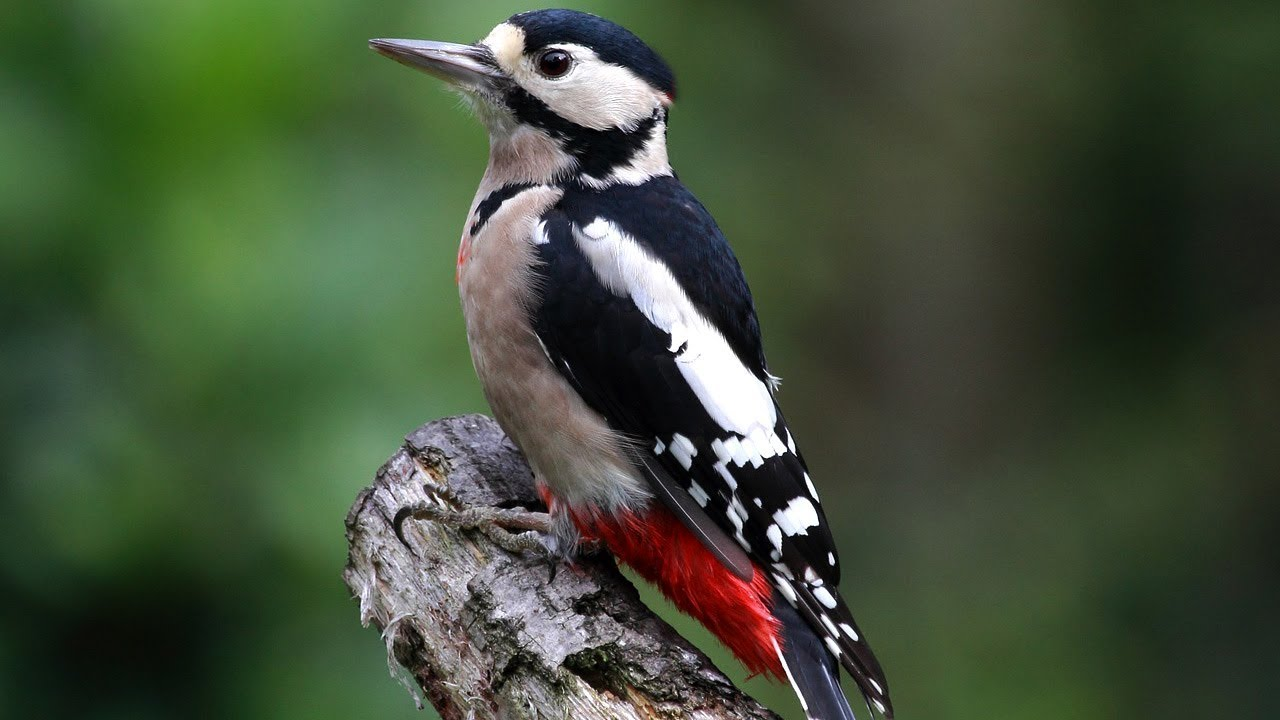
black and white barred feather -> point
(645, 311)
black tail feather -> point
(813, 672)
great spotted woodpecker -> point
(617, 343)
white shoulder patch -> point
(730, 393)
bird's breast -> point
(569, 445)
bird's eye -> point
(554, 63)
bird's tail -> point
(813, 673)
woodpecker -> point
(617, 344)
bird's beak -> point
(469, 67)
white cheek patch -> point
(594, 94)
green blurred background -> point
(1016, 261)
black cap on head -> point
(610, 41)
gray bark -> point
(483, 630)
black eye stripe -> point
(554, 63)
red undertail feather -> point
(664, 552)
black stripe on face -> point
(598, 152)
(493, 201)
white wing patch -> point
(730, 393)
(797, 517)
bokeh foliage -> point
(1016, 261)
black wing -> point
(644, 309)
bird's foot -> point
(537, 532)
(495, 523)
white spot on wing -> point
(813, 491)
(698, 494)
(683, 451)
(785, 589)
(725, 475)
(774, 534)
(734, 446)
(722, 453)
(830, 626)
(825, 597)
(848, 630)
(737, 516)
(797, 517)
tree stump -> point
(487, 632)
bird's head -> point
(565, 93)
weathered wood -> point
(486, 632)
